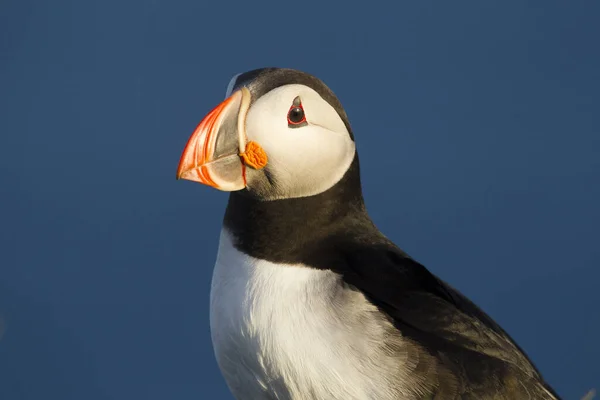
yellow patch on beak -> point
(254, 156)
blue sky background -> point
(479, 134)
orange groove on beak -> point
(212, 154)
(199, 147)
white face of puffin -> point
(308, 148)
(307, 144)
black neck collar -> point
(293, 230)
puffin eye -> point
(296, 117)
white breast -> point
(292, 332)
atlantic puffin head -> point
(279, 134)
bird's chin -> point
(214, 154)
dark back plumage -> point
(461, 352)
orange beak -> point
(212, 154)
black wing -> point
(463, 352)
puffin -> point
(309, 300)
